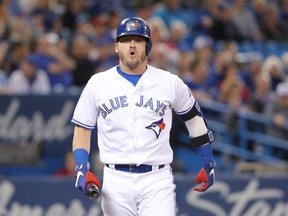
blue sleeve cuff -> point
(81, 156)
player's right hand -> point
(92, 187)
(84, 178)
(90, 178)
(81, 172)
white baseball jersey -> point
(133, 122)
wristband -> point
(81, 156)
(205, 154)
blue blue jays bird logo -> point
(132, 25)
(157, 127)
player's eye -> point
(124, 39)
(139, 40)
(127, 39)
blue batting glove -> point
(81, 169)
(81, 172)
(209, 170)
(205, 177)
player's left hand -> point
(205, 178)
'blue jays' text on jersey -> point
(133, 122)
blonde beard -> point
(134, 63)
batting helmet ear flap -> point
(148, 46)
(135, 26)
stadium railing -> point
(248, 140)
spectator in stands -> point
(232, 48)
(223, 28)
(84, 25)
(178, 34)
(166, 52)
(186, 60)
(69, 17)
(261, 94)
(48, 11)
(4, 20)
(274, 28)
(216, 71)
(284, 12)
(4, 49)
(86, 63)
(23, 30)
(231, 95)
(272, 69)
(37, 23)
(250, 70)
(196, 78)
(159, 32)
(144, 9)
(277, 109)
(170, 11)
(19, 51)
(233, 91)
(284, 58)
(203, 48)
(158, 57)
(114, 18)
(68, 168)
(259, 8)
(104, 41)
(160, 54)
(205, 17)
(245, 21)
(29, 79)
(53, 59)
(177, 44)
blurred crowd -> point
(51, 46)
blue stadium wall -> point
(231, 196)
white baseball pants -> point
(138, 194)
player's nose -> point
(132, 43)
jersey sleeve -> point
(183, 98)
(85, 113)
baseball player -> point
(132, 105)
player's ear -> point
(116, 47)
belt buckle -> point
(130, 169)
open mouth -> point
(132, 53)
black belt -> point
(143, 168)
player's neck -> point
(135, 71)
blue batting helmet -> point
(135, 26)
